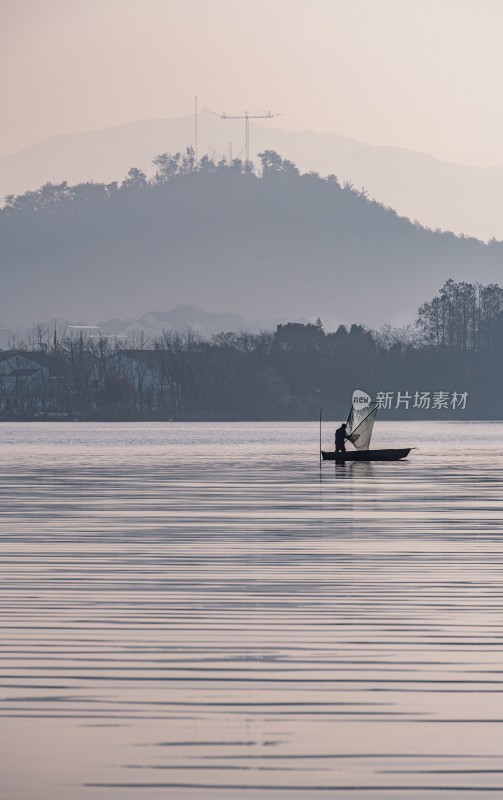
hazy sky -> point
(421, 74)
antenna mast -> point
(247, 117)
(195, 127)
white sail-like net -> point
(360, 424)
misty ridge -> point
(219, 235)
(427, 370)
(438, 193)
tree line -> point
(168, 166)
(455, 346)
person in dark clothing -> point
(340, 438)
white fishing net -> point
(360, 424)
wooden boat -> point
(389, 454)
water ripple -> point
(199, 611)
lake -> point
(199, 611)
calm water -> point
(195, 611)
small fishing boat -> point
(359, 429)
(390, 454)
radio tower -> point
(195, 128)
(247, 117)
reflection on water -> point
(197, 611)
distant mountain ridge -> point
(439, 194)
(218, 237)
(183, 316)
(151, 325)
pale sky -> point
(420, 74)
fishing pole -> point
(321, 411)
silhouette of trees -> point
(171, 166)
(456, 345)
(463, 316)
(135, 179)
(273, 165)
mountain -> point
(439, 194)
(182, 317)
(273, 247)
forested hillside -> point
(217, 235)
(456, 197)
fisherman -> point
(340, 438)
